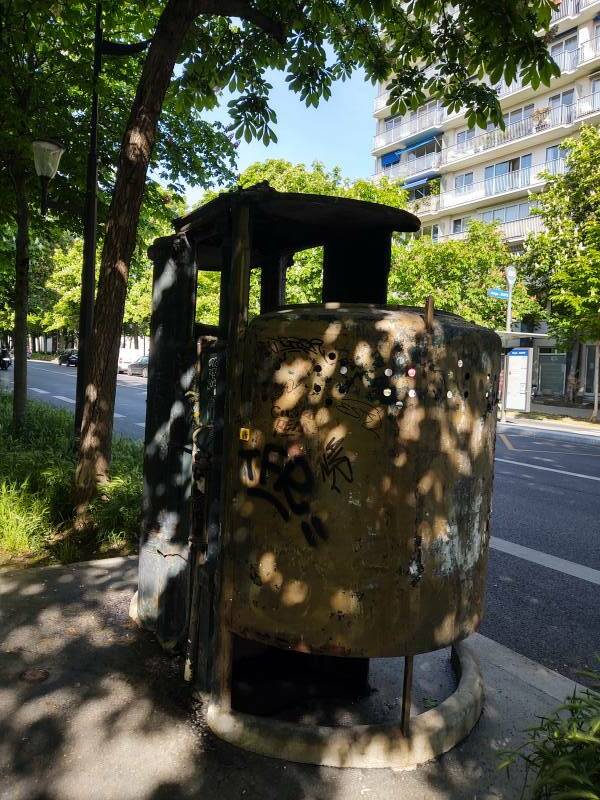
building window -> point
(460, 225)
(429, 231)
(506, 213)
(463, 137)
(564, 52)
(463, 182)
(507, 175)
(555, 155)
(518, 115)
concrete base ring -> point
(365, 746)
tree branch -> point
(242, 9)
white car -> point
(126, 358)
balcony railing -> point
(405, 168)
(418, 123)
(516, 229)
(541, 120)
(500, 184)
(570, 8)
(381, 101)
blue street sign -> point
(518, 351)
(499, 294)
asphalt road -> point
(56, 385)
(544, 574)
(551, 615)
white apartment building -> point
(454, 174)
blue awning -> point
(420, 143)
(413, 184)
(390, 158)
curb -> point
(364, 746)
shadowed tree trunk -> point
(121, 228)
(594, 417)
(21, 296)
(572, 378)
(119, 243)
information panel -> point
(518, 384)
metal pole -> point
(510, 279)
(406, 695)
(90, 222)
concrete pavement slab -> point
(111, 717)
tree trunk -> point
(119, 243)
(594, 417)
(21, 298)
(572, 377)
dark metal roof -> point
(293, 221)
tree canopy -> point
(563, 262)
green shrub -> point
(36, 470)
(44, 356)
(563, 751)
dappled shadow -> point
(114, 719)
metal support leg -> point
(406, 694)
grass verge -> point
(562, 752)
(36, 471)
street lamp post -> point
(511, 278)
(90, 233)
(90, 221)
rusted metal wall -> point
(362, 490)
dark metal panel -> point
(163, 566)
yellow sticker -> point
(245, 434)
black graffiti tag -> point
(334, 463)
(286, 345)
(293, 484)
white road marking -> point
(118, 416)
(506, 441)
(550, 469)
(141, 424)
(61, 397)
(39, 391)
(546, 560)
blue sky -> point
(338, 133)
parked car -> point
(64, 355)
(73, 359)
(139, 367)
(125, 359)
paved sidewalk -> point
(113, 720)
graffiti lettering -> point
(293, 482)
(286, 345)
(334, 463)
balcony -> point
(499, 185)
(515, 230)
(425, 205)
(542, 119)
(381, 101)
(570, 8)
(403, 169)
(418, 123)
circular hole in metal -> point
(389, 372)
(448, 395)
(460, 363)
(343, 370)
(466, 394)
(387, 392)
(412, 393)
(411, 372)
(331, 356)
(467, 375)
(318, 368)
(399, 403)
